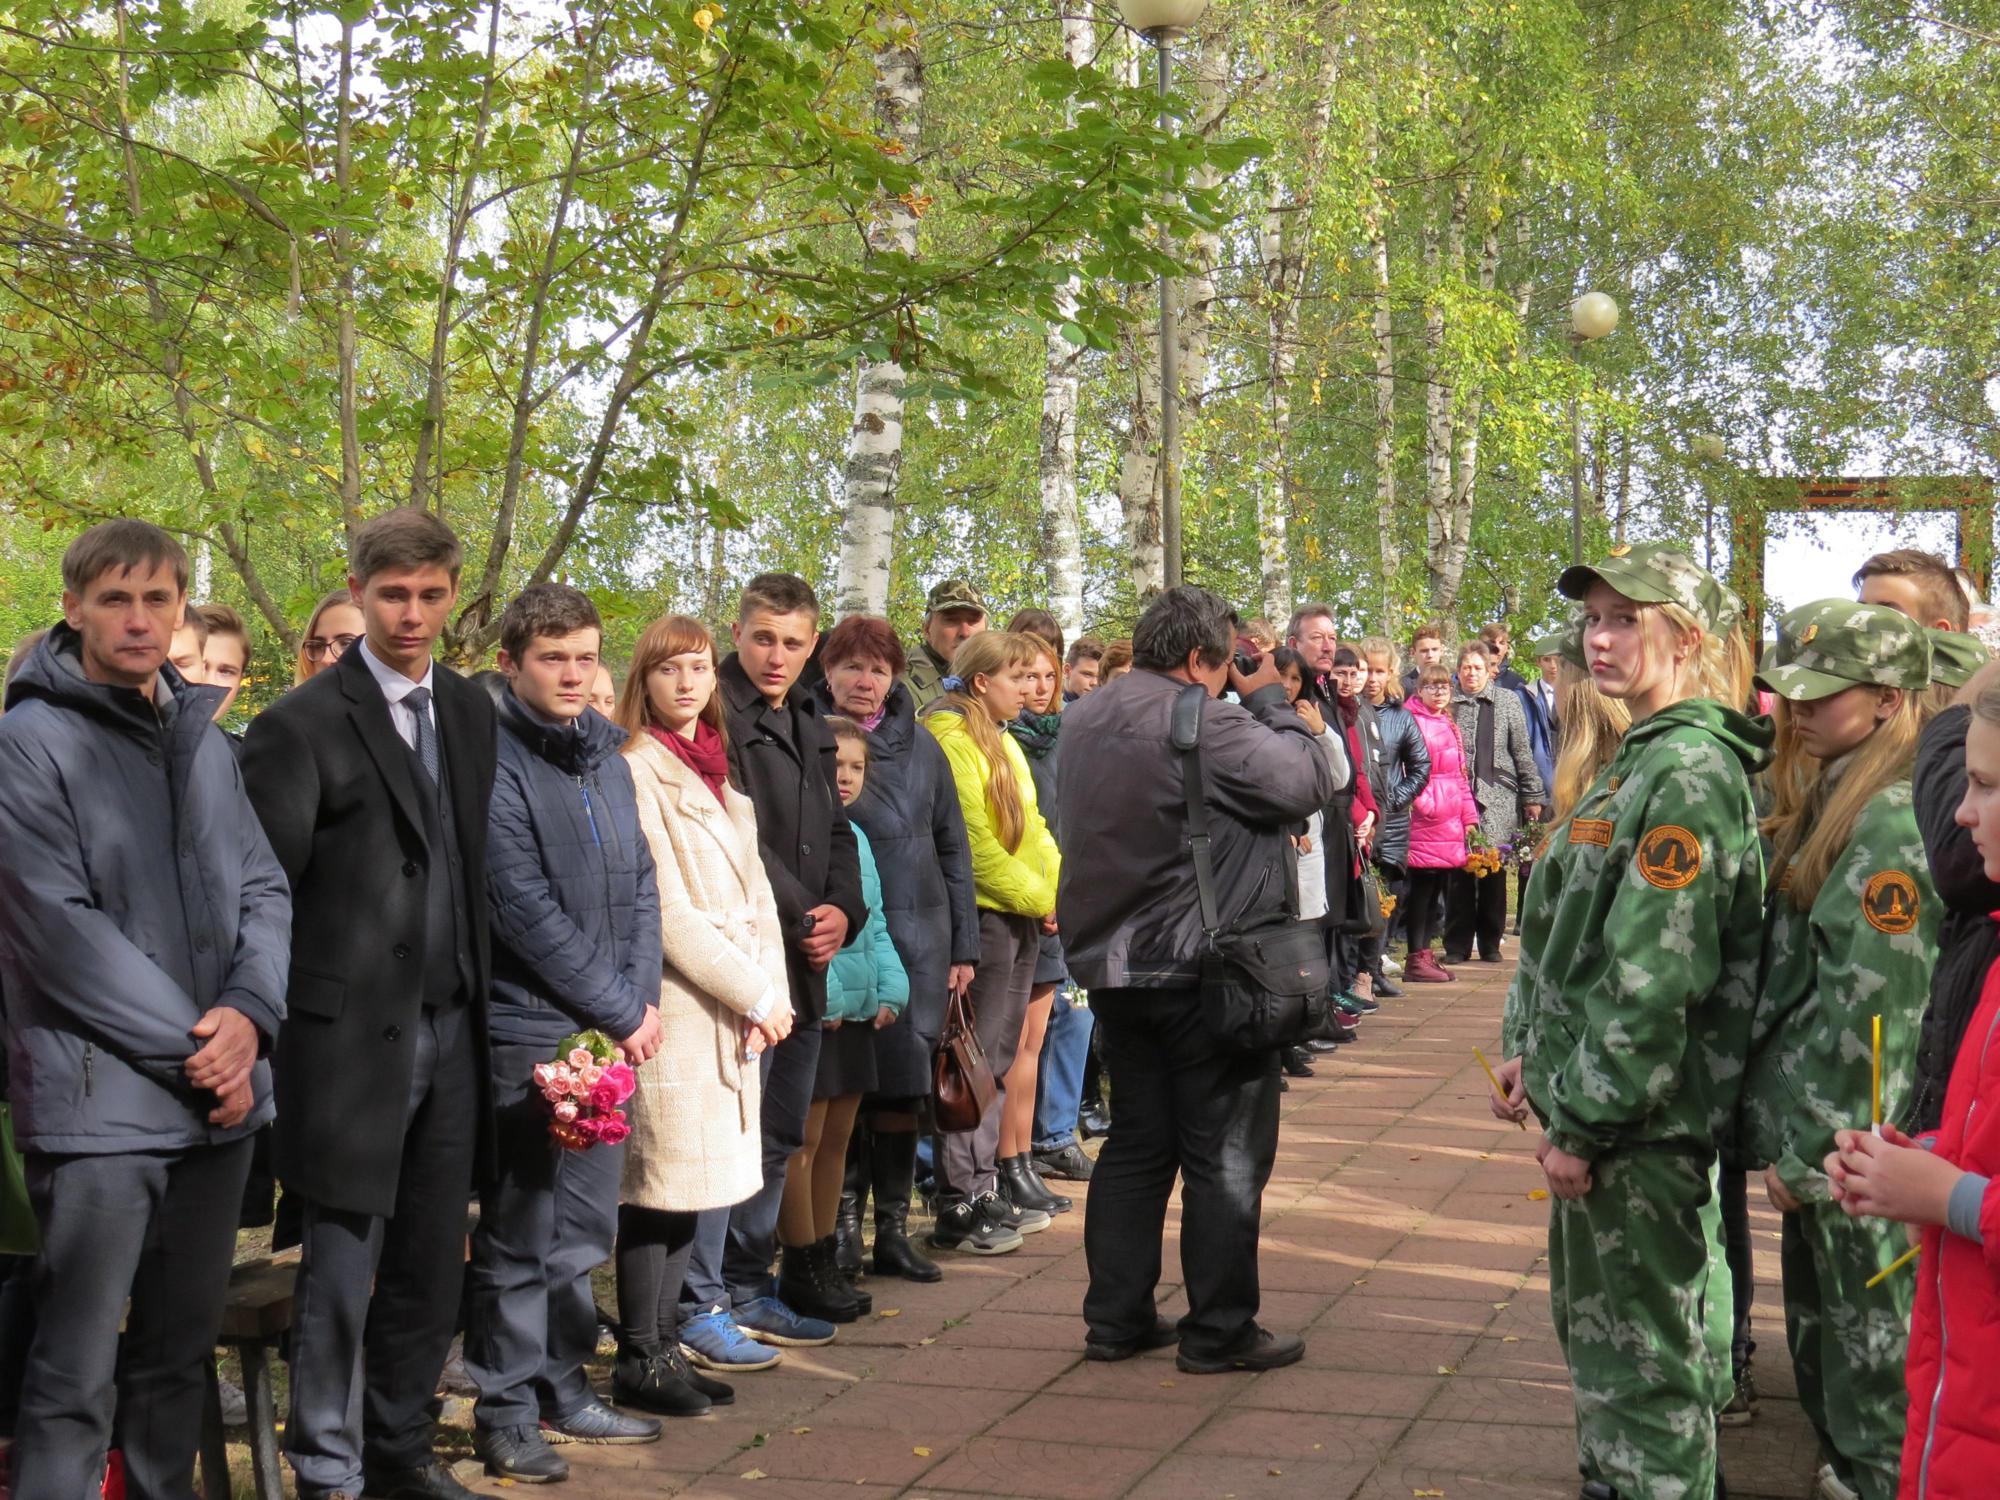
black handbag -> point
(1263, 982)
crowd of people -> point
(327, 974)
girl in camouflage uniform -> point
(1628, 1021)
(1850, 934)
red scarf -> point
(704, 754)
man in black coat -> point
(782, 755)
(372, 780)
(143, 932)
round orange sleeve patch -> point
(1889, 901)
(1669, 857)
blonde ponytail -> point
(987, 655)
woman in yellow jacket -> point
(1014, 867)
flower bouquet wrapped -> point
(1525, 847)
(583, 1086)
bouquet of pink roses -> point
(584, 1087)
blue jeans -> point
(1059, 1086)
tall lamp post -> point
(1591, 317)
(1160, 22)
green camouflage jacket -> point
(1639, 941)
(1865, 949)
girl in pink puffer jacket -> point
(1443, 814)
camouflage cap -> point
(1566, 643)
(1658, 573)
(1834, 644)
(1955, 656)
(954, 593)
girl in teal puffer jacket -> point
(867, 988)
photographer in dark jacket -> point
(144, 924)
(575, 915)
(1130, 916)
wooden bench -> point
(257, 1314)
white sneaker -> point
(1831, 1488)
(1390, 967)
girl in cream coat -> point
(696, 1141)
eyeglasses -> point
(328, 648)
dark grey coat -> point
(1127, 902)
(575, 903)
(1514, 783)
(137, 893)
(908, 807)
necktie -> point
(416, 701)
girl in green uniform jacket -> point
(1850, 935)
(1628, 1020)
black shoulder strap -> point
(1188, 707)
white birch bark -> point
(875, 442)
(1139, 468)
(1382, 323)
(1450, 530)
(1062, 519)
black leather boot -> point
(802, 1288)
(834, 1281)
(1022, 1186)
(847, 1220)
(892, 1160)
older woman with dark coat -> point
(909, 810)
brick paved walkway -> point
(1399, 1236)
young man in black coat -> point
(782, 755)
(372, 780)
(143, 933)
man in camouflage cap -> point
(1955, 656)
(1856, 945)
(1658, 573)
(954, 612)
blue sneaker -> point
(714, 1342)
(769, 1321)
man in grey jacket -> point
(144, 930)
(1130, 917)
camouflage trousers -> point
(1641, 1298)
(1848, 1343)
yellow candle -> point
(1877, 1095)
(1494, 1079)
(1893, 1267)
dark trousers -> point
(788, 1071)
(1424, 904)
(378, 1298)
(545, 1223)
(1186, 1109)
(1371, 948)
(653, 1249)
(1008, 948)
(1734, 1192)
(1475, 914)
(17, 1331)
(159, 1228)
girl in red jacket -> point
(1944, 1185)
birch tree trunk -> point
(1062, 520)
(1384, 330)
(1284, 247)
(1139, 469)
(875, 442)
(1450, 530)
(1472, 407)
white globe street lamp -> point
(1160, 21)
(1591, 317)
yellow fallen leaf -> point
(923, 1342)
(753, 1474)
(1319, 1447)
(921, 1452)
(800, 1431)
(1274, 1472)
(1167, 1385)
(1510, 1339)
(1447, 1370)
(1499, 1307)
(1428, 1494)
(890, 1312)
(1536, 1195)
